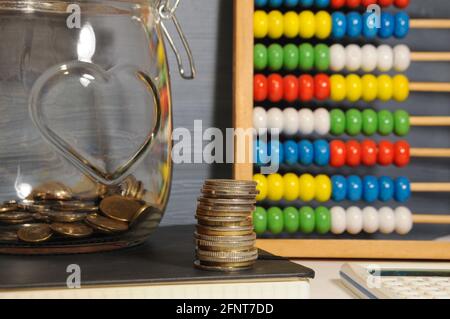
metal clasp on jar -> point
(167, 10)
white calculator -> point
(397, 281)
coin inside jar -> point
(106, 224)
(71, 206)
(34, 233)
(66, 217)
(15, 216)
(72, 229)
(51, 190)
(120, 208)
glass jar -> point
(86, 122)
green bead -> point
(306, 57)
(401, 123)
(353, 120)
(275, 54)
(260, 58)
(323, 220)
(337, 119)
(385, 122)
(260, 220)
(291, 219)
(321, 57)
(275, 220)
(307, 220)
(370, 122)
(290, 57)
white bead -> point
(370, 220)
(337, 57)
(403, 220)
(353, 57)
(290, 121)
(338, 220)
(321, 121)
(260, 120)
(275, 119)
(305, 121)
(402, 57)
(354, 220)
(369, 58)
(385, 58)
(387, 220)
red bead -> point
(385, 153)
(337, 4)
(275, 84)
(353, 3)
(402, 155)
(321, 86)
(337, 153)
(369, 153)
(367, 3)
(290, 88)
(401, 3)
(353, 149)
(305, 88)
(385, 3)
(259, 88)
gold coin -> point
(32, 206)
(120, 208)
(229, 182)
(8, 206)
(224, 259)
(224, 246)
(72, 206)
(224, 268)
(213, 213)
(8, 235)
(225, 239)
(223, 221)
(41, 217)
(224, 231)
(104, 223)
(72, 230)
(221, 195)
(15, 216)
(34, 233)
(51, 190)
(224, 208)
(141, 212)
(228, 255)
(226, 201)
(66, 217)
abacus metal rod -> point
(429, 23)
(430, 152)
(429, 87)
(430, 187)
(429, 120)
(431, 219)
(430, 56)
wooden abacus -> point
(243, 103)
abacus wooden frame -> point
(303, 248)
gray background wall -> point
(208, 24)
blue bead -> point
(339, 188)
(387, 25)
(305, 152)
(290, 3)
(354, 188)
(260, 156)
(275, 3)
(322, 3)
(354, 24)
(386, 188)
(306, 3)
(290, 152)
(321, 153)
(260, 3)
(370, 29)
(275, 149)
(401, 25)
(339, 25)
(402, 189)
(370, 186)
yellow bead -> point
(306, 187)
(276, 28)
(354, 87)
(385, 87)
(401, 88)
(323, 25)
(291, 24)
(276, 187)
(323, 188)
(290, 187)
(261, 186)
(307, 24)
(369, 87)
(260, 24)
(338, 87)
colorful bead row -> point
(334, 4)
(321, 57)
(336, 122)
(336, 220)
(335, 153)
(336, 87)
(322, 188)
(323, 25)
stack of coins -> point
(224, 235)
